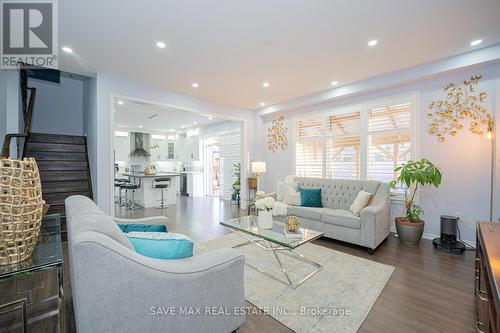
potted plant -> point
(235, 196)
(412, 174)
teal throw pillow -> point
(161, 245)
(126, 228)
(310, 197)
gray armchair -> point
(116, 289)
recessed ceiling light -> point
(373, 42)
(265, 84)
(334, 83)
(161, 45)
(67, 49)
(195, 123)
(210, 118)
(476, 42)
(140, 126)
(120, 102)
(195, 85)
(114, 111)
(262, 104)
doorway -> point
(212, 165)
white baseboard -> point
(432, 236)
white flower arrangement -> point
(265, 203)
(260, 195)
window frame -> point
(413, 98)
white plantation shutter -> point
(309, 147)
(230, 153)
(356, 142)
(342, 146)
(389, 140)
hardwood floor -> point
(429, 291)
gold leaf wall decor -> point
(276, 135)
(461, 106)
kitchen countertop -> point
(191, 172)
(158, 175)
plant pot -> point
(252, 183)
(265, 219)
(409, 232)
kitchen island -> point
(148, 196)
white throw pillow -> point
(157, 235)
(292, 198)
(360, 202)
(282, 188)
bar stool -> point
(162, 184)
(131, 205)
(118, 184)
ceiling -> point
(299, 46)
(131, 115)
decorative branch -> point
(276, 135)
(461, 105)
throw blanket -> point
(280, 209)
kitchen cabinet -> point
(193, 148)
(122, 148)
(159, 154)
(487, 277)
(171, 150)
(191, 184)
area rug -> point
(337, 299)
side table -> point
(28, 287)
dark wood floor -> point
(429, 291)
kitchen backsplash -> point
(161, 166)
(195, 166)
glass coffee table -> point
(274, 240)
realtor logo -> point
(29, 33)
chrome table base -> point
(282, 250)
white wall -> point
(58, 106)
(89, 122)
(221, 127)
(107, 88)
(464, 159)
(10, 107)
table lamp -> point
(258, 168)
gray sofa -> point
(116, 289)
(337, 221)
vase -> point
(21, 209)
(265, 219)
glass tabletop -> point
(47, 252)
(248, 225)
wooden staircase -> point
(64, 169)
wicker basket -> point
(20, 209)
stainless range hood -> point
(139, 140)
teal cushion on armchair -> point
(310, 197)
(161, 245)
(126, 228)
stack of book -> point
(294, 235)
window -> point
(343, 145)
(389, 140)
(309, 148)
(365, 141)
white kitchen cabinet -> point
(122, 148)
(171, 150)
(159, 154)
(193, 148)
(194, 183)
